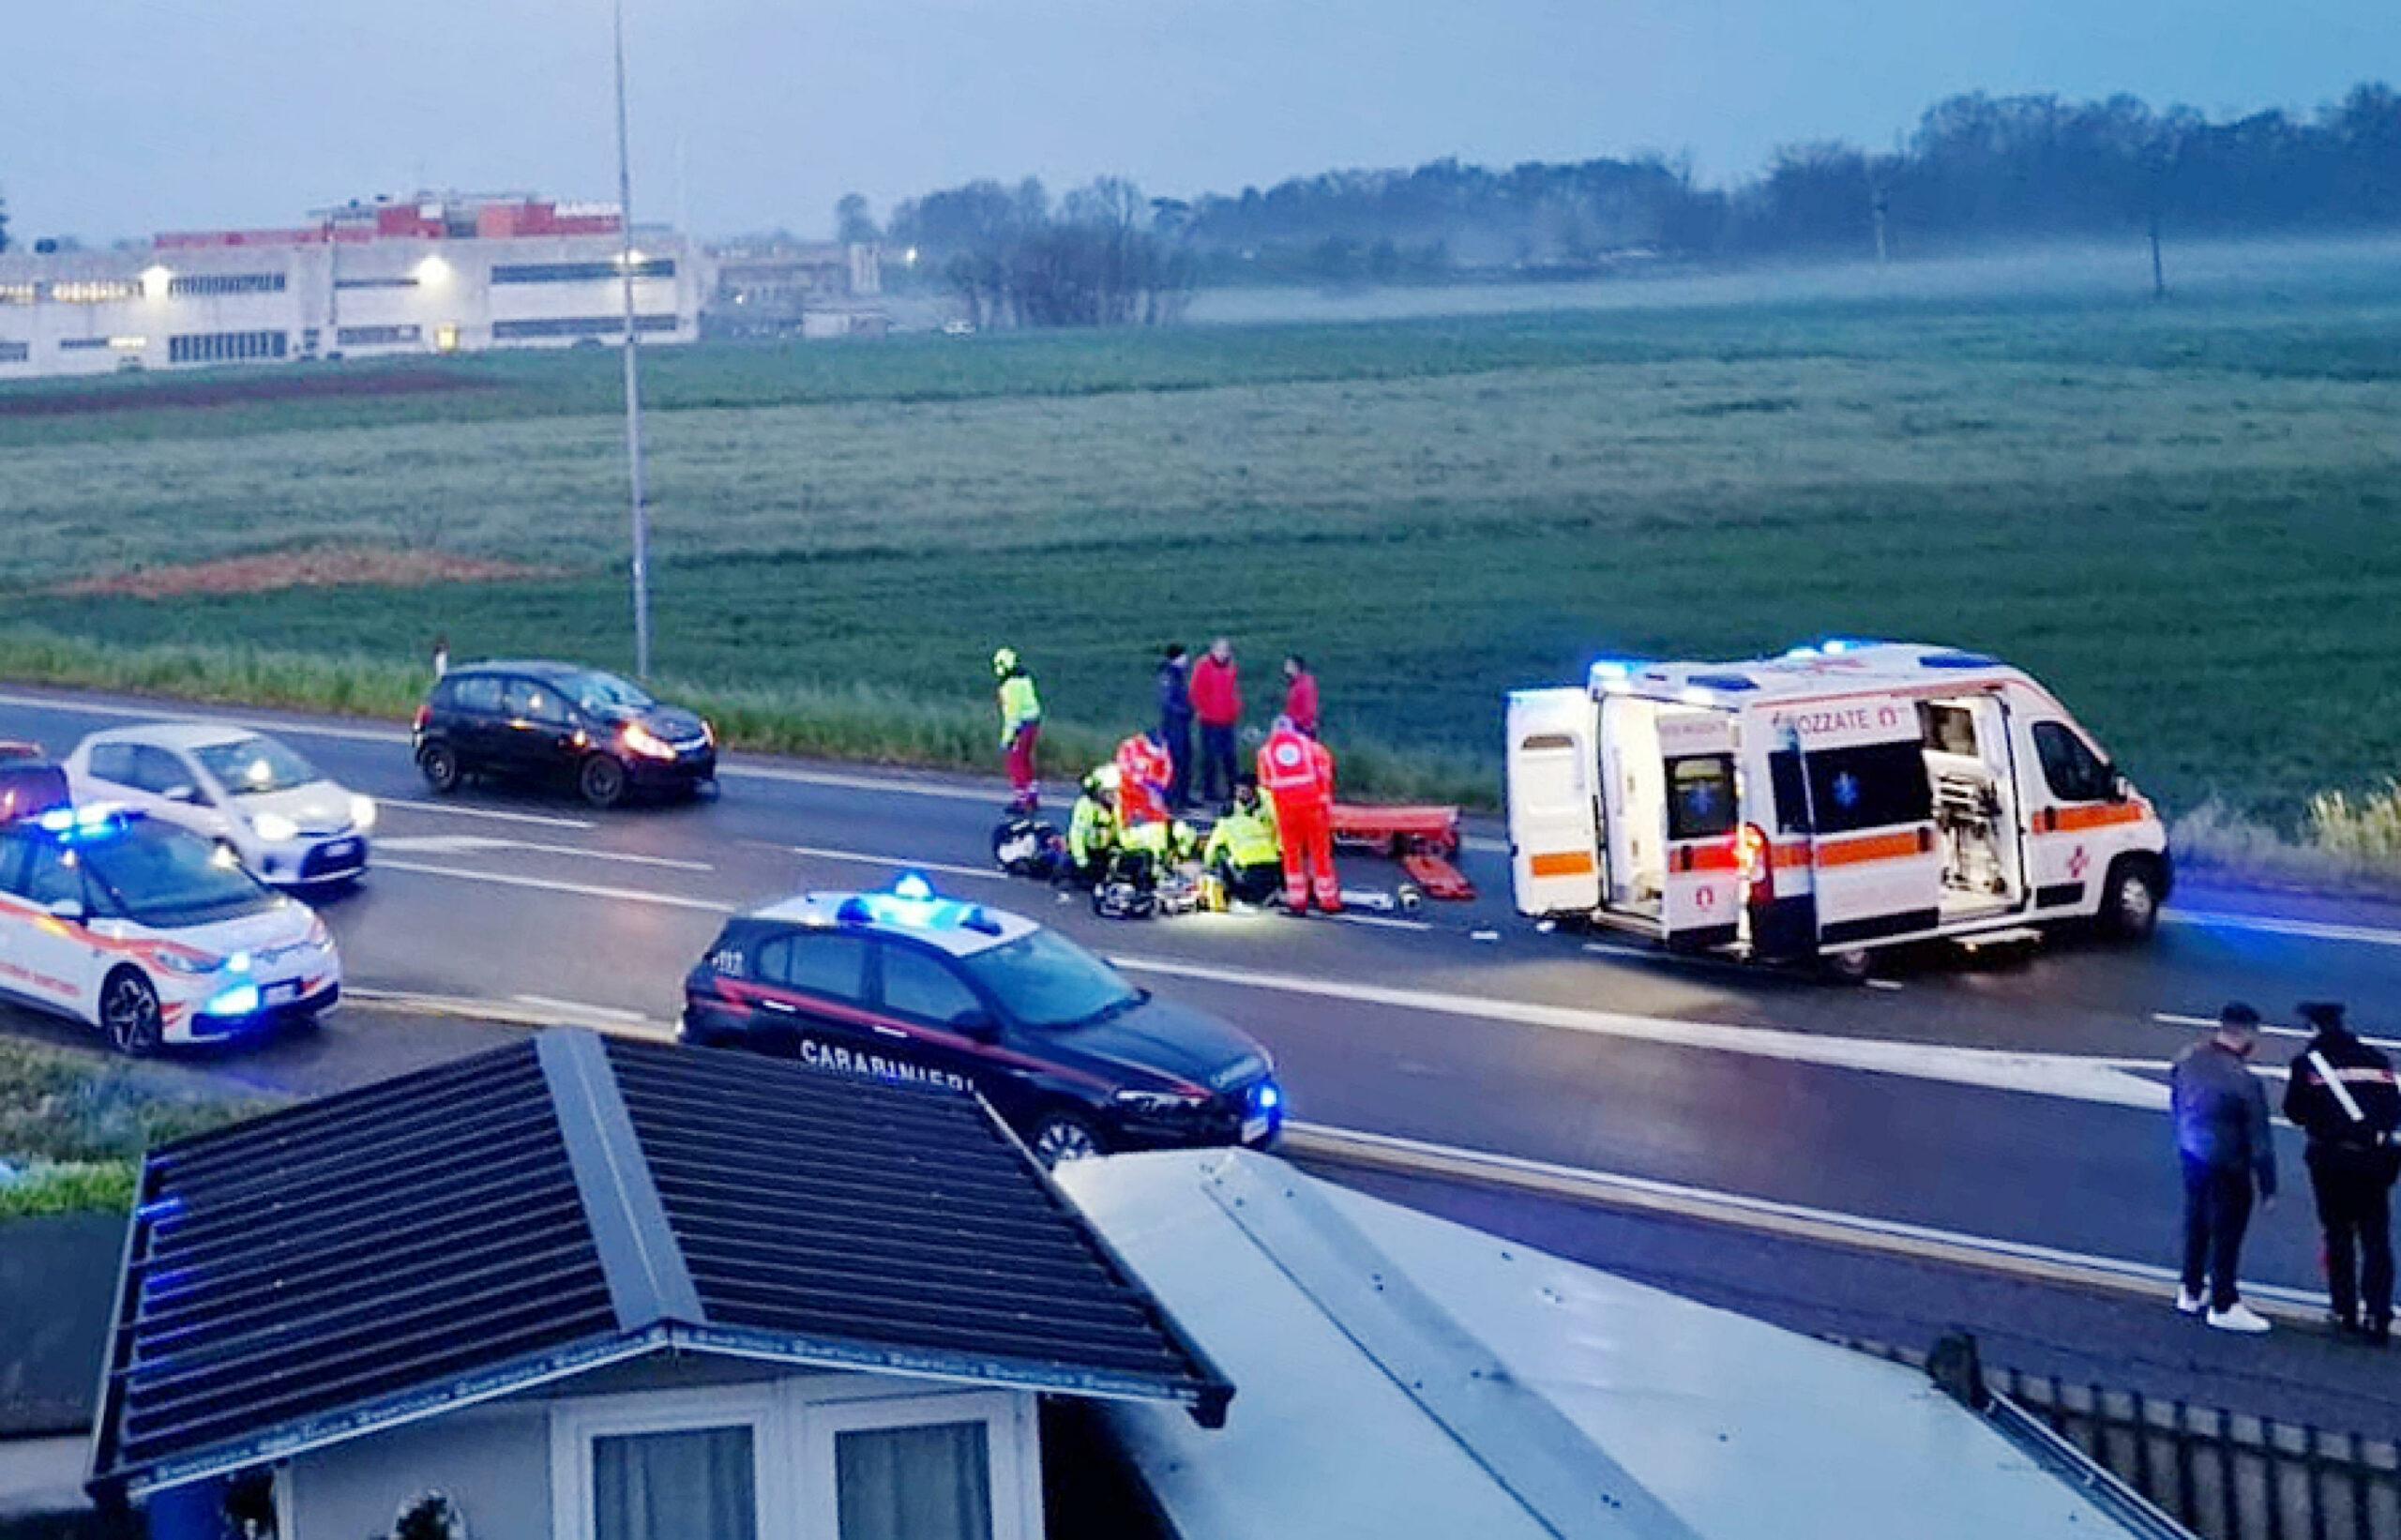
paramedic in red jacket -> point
(1300, 694)
(1297, 773)
(1146, 775)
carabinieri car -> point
(907, 984)
(152, 933)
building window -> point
(402, 283)
(15, 352)
(376, 337)
(595, 326)
(80, 344)
(693, 1484)
(227, 347)
(578, 272)
(929, 1482)
(104, 291)
(193, 285)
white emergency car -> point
(1841, 797)
(288, 824)
(152, 933)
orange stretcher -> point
(1425, 841)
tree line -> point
(1977, 170)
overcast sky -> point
(124, 116)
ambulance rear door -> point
(1702, 897)
(1874, 865)
(1554, 806)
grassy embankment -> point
(73, 1127)
(2183, 517)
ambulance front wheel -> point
(1850, 965)
(2130, 898)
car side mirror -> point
(70, 910)
(2120, 789)
(977, 1024)
(182, 791)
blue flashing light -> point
(913, 885)
(1834, 646)
(1614, 667)
(1959, 660)
(1804, 650)
(89, 820)
(1269, 1098)
(241, 1000)
(239, 963)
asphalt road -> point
(2013, 1097)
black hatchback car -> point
(557, 722)
(905, 985)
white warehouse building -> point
(433, 273)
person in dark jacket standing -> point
(1175, 720)
(2343, 1095)
(1216, 698)
(2221, 1137)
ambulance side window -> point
(1791, 792)
(1550, 773)
(2070, 768)
(1872, 786)
(1701, 796)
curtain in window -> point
(689, 1485)
(932, 1483)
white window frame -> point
(794, 1423)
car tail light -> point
(424, 715)
(1755, 862)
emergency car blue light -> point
(239, 963)
(72, 822)
(1614, 667)
(1834, 646)
(913, 885)
(241, 1000)
(1269, 1098)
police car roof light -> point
(912, 886)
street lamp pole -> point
(633, 366)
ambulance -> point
(1846, 797)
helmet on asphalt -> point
(1005, 661)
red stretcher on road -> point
(1424, 840)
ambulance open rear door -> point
(1554, 807)
(1875, 862)
(1700, 905)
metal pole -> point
(633, 368)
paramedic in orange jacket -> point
(1146, 777)
(1297, 772)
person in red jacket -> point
(1297, 772)
(1146, 777)
(1300, 694)
(1216, 701)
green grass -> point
(78, 1124)
(2183, 517)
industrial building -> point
(430, 274)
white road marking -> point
(546, 884)
(1886, 983)
(2110, 1082)
(1383, 922)
(2275, 924)
(577, 1007)
(1898, 1237)
(459, 810)
(2208, 1023)
(898, 863)
(471, 844)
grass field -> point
(2186, 516)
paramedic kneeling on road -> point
(1091, 828)
(1297, 773)
(1243, 851)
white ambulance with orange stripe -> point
(1845, 796)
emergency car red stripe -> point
(1873, 847)
(2103, 816)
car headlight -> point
(190, 964)
(274, 827)
(1160, 1101)
(362, 813)
(639, 739)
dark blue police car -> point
(907, 984)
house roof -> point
(535, 1212)
(1405, 1375)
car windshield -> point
(605, 694)
(162, 876)
(1044, 980)
(253, 765)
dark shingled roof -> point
(542, 1209)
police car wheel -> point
(439, 764)
(129, 1013)
(2130, 903)
(1062, 1137)
(601, 780)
